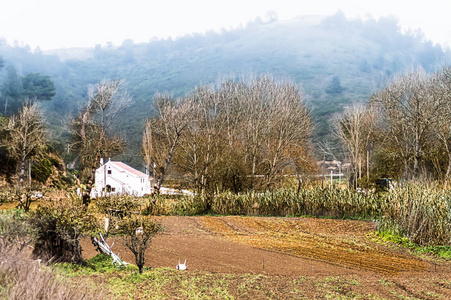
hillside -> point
(336, 61)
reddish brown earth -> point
(277, 246)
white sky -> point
(52, 24)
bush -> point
(59, 226)
(42, 170)
(125, 214)
(21, 278)
(139, 232)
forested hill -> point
(337, 61)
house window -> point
(113, 189)
(108, 188)
(109, 172)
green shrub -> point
(42, 170)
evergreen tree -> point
(334, 86)
(38, 86)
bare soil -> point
(277, 246)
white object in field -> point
(105, 248)
(181, 266)
(107, 224)
(139, 231)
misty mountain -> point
(336, 61)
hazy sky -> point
(52, 24)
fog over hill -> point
(336, 61)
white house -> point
(115, 177)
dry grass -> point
(419, 212)
(23, 278)
(27, 279)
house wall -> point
(120, 181)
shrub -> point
(116, 207)
(139, 231)
(21, 278)
(59, 226)
(125, 214)
(42, 170)
(119, 205)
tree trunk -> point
(140, 259)
(166, 166)
(448, 170)
(88, 188)
(298, 175)
(22, 171)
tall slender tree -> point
(93, 136)
(161, 137)
(355, 128)
(26, 135)
(11, 90)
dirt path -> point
(278, 246)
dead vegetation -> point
(24, 278)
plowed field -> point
(286, 246)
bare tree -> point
(355, 128)
(210, 150)
(224, 135)
(441, 89)
(257, 112)
(288, 129)
(92, 131)
(26, 135)
(410, 112)
(162, 135)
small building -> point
(115, 177)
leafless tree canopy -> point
(92, 129)
(25, 134)
(225, 137)
(406, 127)
(356, 129)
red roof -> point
(127, 168)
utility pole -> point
(331, 179)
